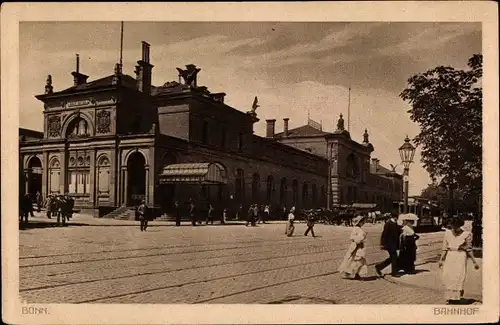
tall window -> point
(314, 195)
(223, 138)
(240, 184)
(240, 142)
(103, 170)
(54, 173)
(204, 133)
(283, 190)
(255, 187)
(323, 196)
(270, 188)
(305, 194)
(295, 192)
(79, 175)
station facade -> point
(115, 141)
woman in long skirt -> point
(408, 247)
(354, 263)
(457, 248)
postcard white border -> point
(13, 13)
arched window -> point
(103, 171)
(270, 188)
(255, 187)
(54, 174)
(352, 168)
(305, 194)
(314, 195)
(204, 133)
(283, 191)
(78, 128)
(240, 184)
(295, 192)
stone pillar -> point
(63, 172)
(27, 175)
(93, 198)
(146, 192)
(151, 177)
(45, 175)
(114, 175)
(125, 186)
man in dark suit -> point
(390, 242)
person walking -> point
(143, 217)
(255, 215)
(266, 214)
(290, 228)
(408, 244)
(224, 216)
(389, 241)
(39, 201)
(353, 265)
(192, 212)
(177, 213)
(457, 249)
(311, 219)
(210, 214)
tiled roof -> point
(127, 81)
(303, 131)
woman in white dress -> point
(354, 263)
(457, 248)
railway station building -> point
(114, 141)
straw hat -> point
(357, 220)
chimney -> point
(78, 78)
(285, 127)
(143, 70)
(375, 163)
(270, 128)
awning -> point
(194, 173)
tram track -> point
(329, 258)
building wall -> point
(314, 145)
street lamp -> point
(406, 151)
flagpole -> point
(121, 45)
(349, 112)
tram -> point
(429, 213)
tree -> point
(447, 105)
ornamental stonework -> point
(103, 121)
(54, 126)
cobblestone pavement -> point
(205, 264)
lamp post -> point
(406, 151)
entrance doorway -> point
(136, 184)
(34, 177)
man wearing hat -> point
(389, 241)
(142, 212)
(289, 226)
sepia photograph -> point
(250, 163)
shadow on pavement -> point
(465, 301)
(370, 278)
(41, 225)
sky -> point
(295, 69)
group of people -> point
(400, 243)
(60, 206)
(290, 226)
